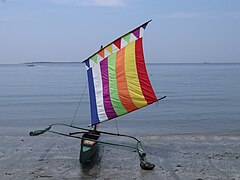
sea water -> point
(201, 98)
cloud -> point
(16, 17)
(235, 15)
(191, 15)
(110, 3)
(185, 15)
(4, 19)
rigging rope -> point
(78, 104)
(116, 125)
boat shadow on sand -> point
(92, 167)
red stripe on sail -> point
(106, 93)
(117, 43)
(142, 74)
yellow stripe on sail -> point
(134, 87)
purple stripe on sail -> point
(136, 32)
(110, 112)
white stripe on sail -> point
(123, 42)
(97, 79)
(141, 32)
(132, 38)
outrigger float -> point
(118, 84)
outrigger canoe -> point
(118, 84)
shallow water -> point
(201, 98)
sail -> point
(117, 78)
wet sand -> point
(185, 156)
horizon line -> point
(76, 62)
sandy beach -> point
(183, 156)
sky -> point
(188, 31)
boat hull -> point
(88, 147)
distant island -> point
(50, 62)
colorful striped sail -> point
(117, 78)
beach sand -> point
(183, 156)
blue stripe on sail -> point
(87, 63)
(93, 105)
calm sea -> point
(201, 98)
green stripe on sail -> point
(127, 37)
(117, 105)
(94, 58)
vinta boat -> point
(118, 84)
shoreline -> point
(185, 156)
(24, 131)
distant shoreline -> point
(73, 62)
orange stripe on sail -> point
(101, 53)
(123, 92)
